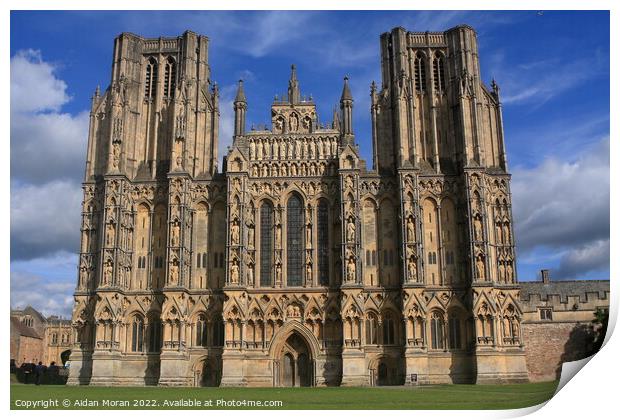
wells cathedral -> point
(296, 263)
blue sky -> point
(554, 83)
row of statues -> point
(294, 148)
(283, 169)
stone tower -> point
(152, 146)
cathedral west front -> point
(298, 263)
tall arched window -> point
(436, 331)
(371, 329)
(323, 242)
(201, 331)
(169, 78)
(438, 72)
(137, 334)
(420, 73)
(151, 78)
(388, 329)
(294, 241)
(266, 244)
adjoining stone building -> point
(297, 265)
(557, 322)
(35, 338)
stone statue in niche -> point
(276, 149)
(259, 150)
(289, 153)
(107, 272)
(297, 149)
(410, 230)
(351, 270)
(278, 273)
(480, 267)
(509, 273)
(412, 269)
(278, 126)
(234, 233)
(502, 272)
(174, 273)
(234, 272)
(174, 239)
(348, 183)
(293, 123)
(477, 229)
(350, 230)
(252, 149)
(251, 235)
(309, 273)
(266, 147)
(250, 274)
(116, 151)
(110, 233)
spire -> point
(346, 106)
(294, 95)
(346, 92)
(240, 93)
(240, 106)
(336, 120)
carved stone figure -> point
(250, 271)
(252, 149)
(412, 269)
(234, 233)
(351, 270)
(251, 236)
(480, 267)
(293, 123)
(234, 272)
(350, 230)
(174, 237)
(174, 273)
(410, 230)
(110, 234)
(477, 230)
(279, 273)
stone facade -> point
(296, 264)
(35, 338)
(557, 319)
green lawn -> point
(422, 397)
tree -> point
(599, 328)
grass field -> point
(438, 397)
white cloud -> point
(539, 81)
(49, 297)
(564, 206)
(48, 146)
(34, 86)
(592, 257)
(44, 218)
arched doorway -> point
(382, 374)
(295, 362)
